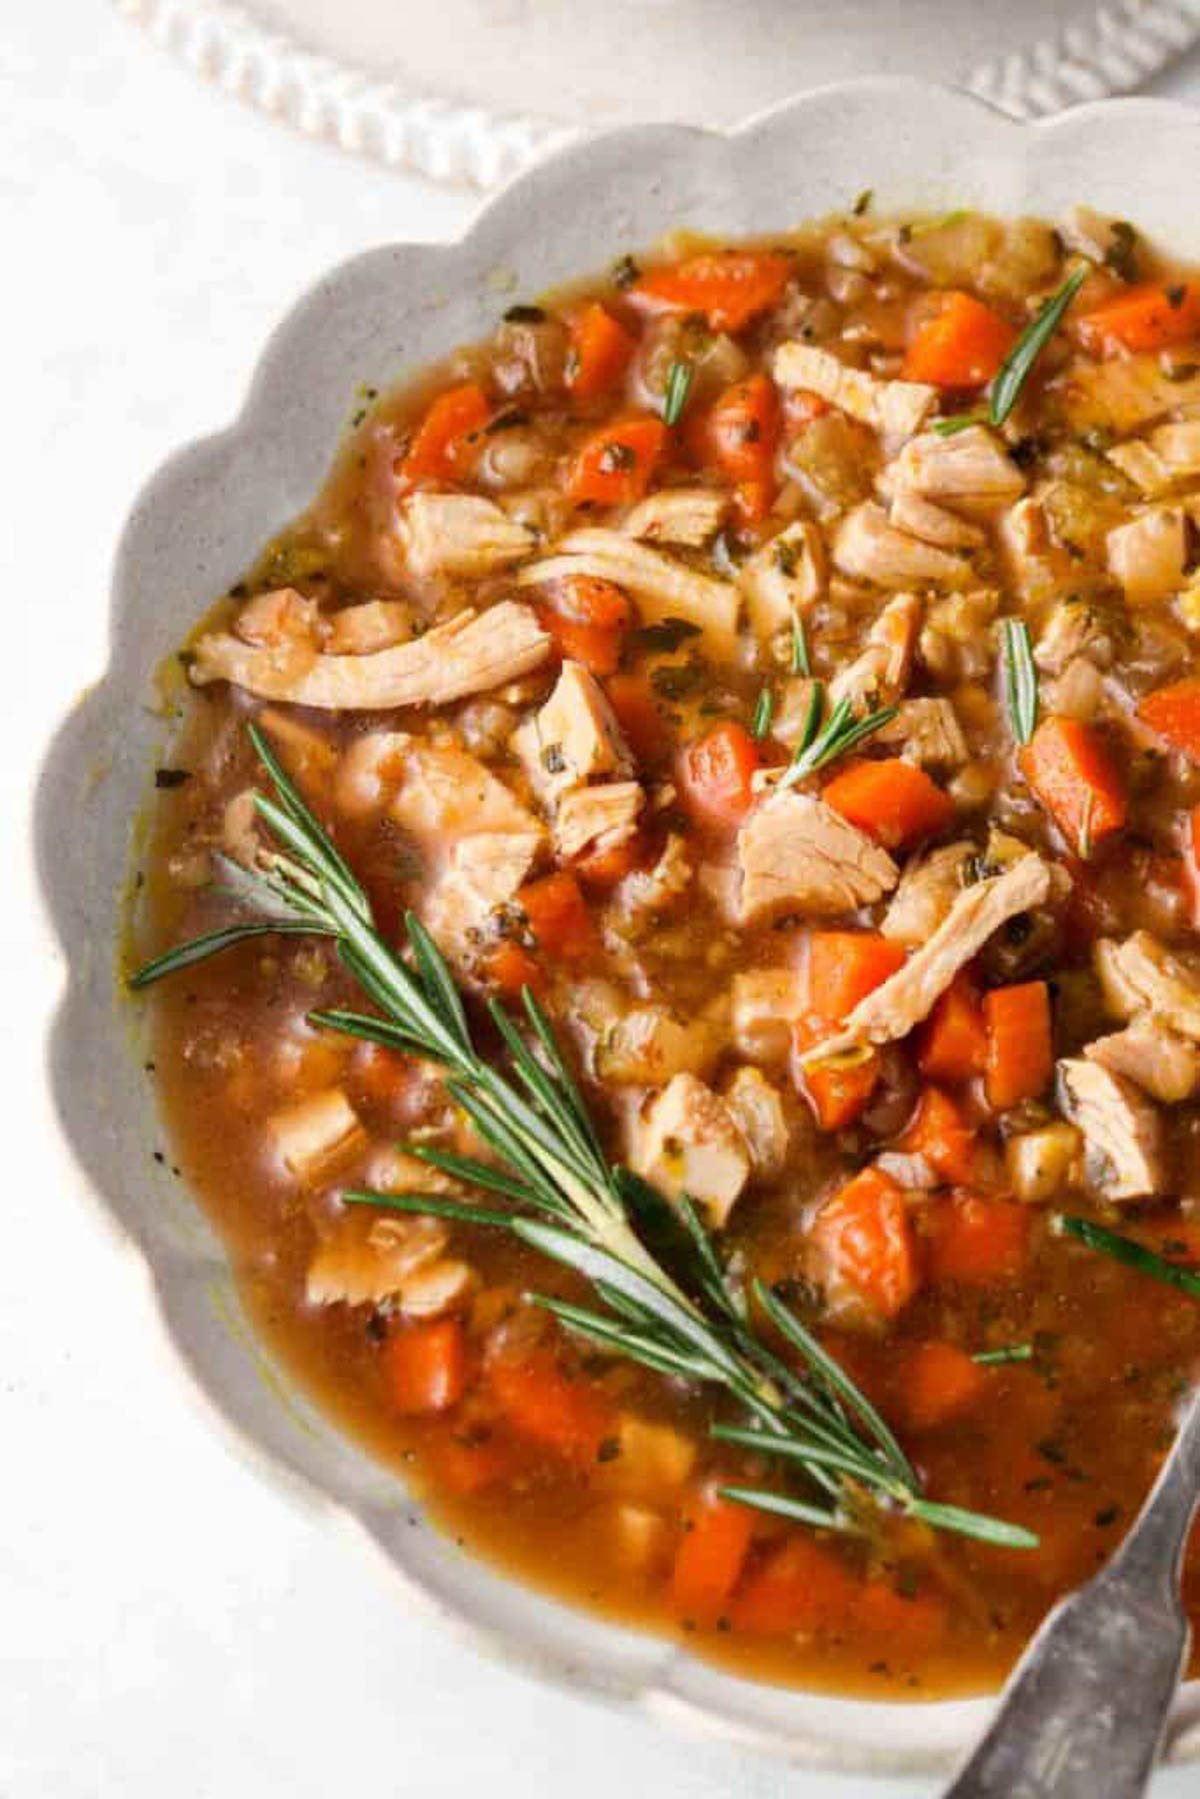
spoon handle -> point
(1084, 1713)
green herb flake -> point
(171, 777)
(679, 382)
(1000, 1358)
(863, 203)
(961, 421)
(675, 680)
(667, 635)
(1121, 254)
(524, 315)
(625, 272)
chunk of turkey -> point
(928, 889)
(765, 1005)
(1171, 453)
(312, 1134)
(1152, 1056)
(1147, 555)
(662, 586)
(896, 409)
(366, 1260)
(574, 736)
(1122, 1131)
(907, 997)
(685, 515)
(596, 818)
(1141, 972)
(459, 534)
(469, 654)
(797, 854)
(756, 1108)
(374, 625)
(1073, 629)
(1123, 394)
(650, 890)
(971, 469)
(784, 578)
(911, 512)
(868, 548)
(688, 1143)
(881, 673)
(927, 732)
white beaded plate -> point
(473, 90)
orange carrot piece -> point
(440, 450)
(587, 618)
(952, 1045)
(572, 1417)
(558, 916)
(739, 434)
(712, 1552)
(912, 1625)
(1020, 1053)
(467, 1465)
(591, 600)
(940, 1131)
(617, 463)
(509, 967)
(639, 716)
(715, 775)
(598, 647)
(978, 1241)
(836, 1094)
(1173, 713)
(893, 801)
(799, 1588)
(425, 1367)
(1069, 767)
(599, 352)
(728, 287)
(936, 1383)
(1151, 316)
(863, 1237)
(960, 342)
(844, 966)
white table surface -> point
(169, 1626)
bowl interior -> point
(199, 523)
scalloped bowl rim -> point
(197, 524)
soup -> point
(698, 819)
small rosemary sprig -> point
(662, 1296)
(801, 664)
(1019, 364)
(1020, 680)
(820, 744)
(764, 712)
(680, 376)
(1131, 1253)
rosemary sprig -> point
(1018, 365)
(958, 421)
(764, 712)
(801, 665)
(661, 1294)
(1134, 1255)
(820, 744)
(1000, 1358)
(680, 376)
(1020, 680)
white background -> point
(169, 1625)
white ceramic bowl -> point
(197, 526)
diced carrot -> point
(739, 434)
(572, 1417)
(712, 1552)
(952, 1045)
(799, 1589)
(639, 716)
(509, 967)
(439, 450)
(936, 1381)
(558, 916)
(911, 1625)
(1020, 1053)
(895, 802)
(977, 1241)
(728, 287)
(1173, 713)
(425, 1367)
(587, 617)
(1069, 767)
(599, 354)
(716, 773)
(863, 1238)
(605, 868)
(959, 342)
(837, 1091)
(617, 463)
(465, 1464)
(940, 1131)
(844, 966)
(1151, 316)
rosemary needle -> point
(679, 384)
(661, 1294)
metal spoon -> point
(1084, 1713)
